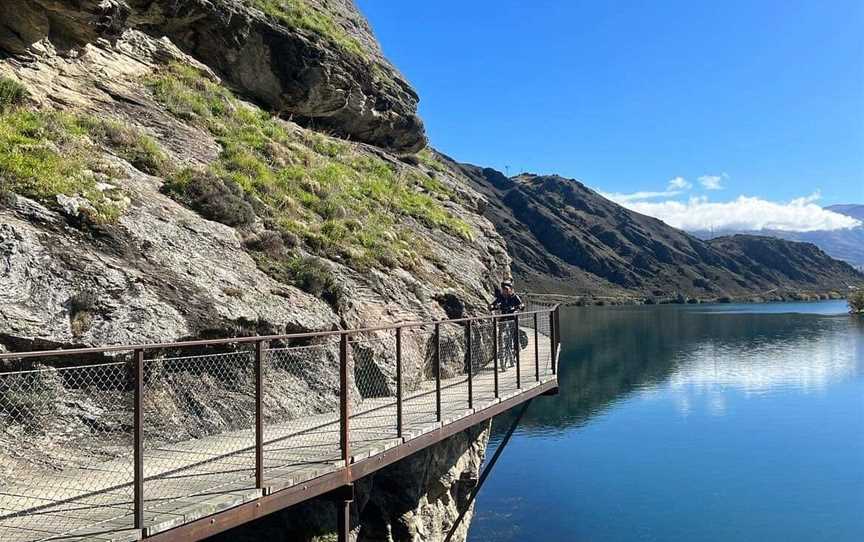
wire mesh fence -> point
(419, 361)
(373, 423)
(300, 408)
(223, 422)
(198, 414)
(65, 449)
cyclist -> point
(507, 302)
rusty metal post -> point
(343, 499)
(536, 350)
(518, 346)
(557, 339)
(470, 357)
(552, 340)
(399, 382)
(495, 351)
(438, 370)
(138, 439)
(259, 414)
(343, 399)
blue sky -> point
(765, 96)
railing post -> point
(138, 439)
(536, 350)
(470, 366)
(438, 370)
(343, 398)
(399, 382)
(495, 351)
(552, 340)
(557, 339)
(518, 347)
(259, 414)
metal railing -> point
(146, 436)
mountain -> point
(854, 210)
(564, 237)
(844, 244)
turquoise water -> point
(690, 423)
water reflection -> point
(689, 424)
(694, 353)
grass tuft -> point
(138, 149)
(299, 14)
(428, 159)
(44, 154)
(12, 93)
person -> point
(507, 302)
(506, 299)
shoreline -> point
(572, 300)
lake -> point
(690, 423)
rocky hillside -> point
(166, 185)
(564, 237)
(174, 169)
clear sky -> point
(759, 98)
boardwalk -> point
(184, 480)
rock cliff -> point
(207, 168)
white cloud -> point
(679, 183)
(743, 213)
(713, 182)
(640, 196)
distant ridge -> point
(849, 209)
(564, 237)
(844, 244)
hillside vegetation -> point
(307, 187)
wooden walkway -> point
(195, 479)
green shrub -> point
(214, 198)
(342, 204)
(309, 274)
(856, 302)
(12, 93)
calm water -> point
(690, 423)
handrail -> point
(251, 339)
(139, 375)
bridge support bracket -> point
(342, 497)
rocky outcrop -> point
(564, 237)
(162, 273)
(315, 62)
(65, 25)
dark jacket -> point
(507, 305)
